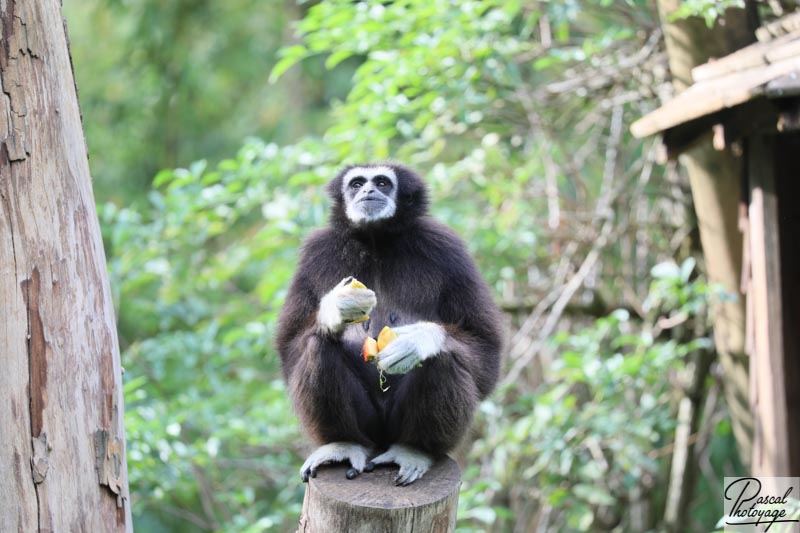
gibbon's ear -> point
(412, 193)
(335, 185)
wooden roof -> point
(770, 68)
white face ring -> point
(354, 213)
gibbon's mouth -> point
(372, 201)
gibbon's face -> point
(370, 193)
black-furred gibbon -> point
(422, 283)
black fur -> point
(419, 270)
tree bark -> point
(62, 446)
(716, 182)
(372, 503)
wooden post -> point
(715, 179)
(372, 503)
(771, 449)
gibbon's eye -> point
(356, 183)
(382, 181)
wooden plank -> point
(711, 96)
(730, 126)
(782, 26)
(753, 56)
(768, 401)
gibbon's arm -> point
(472, 322)
(460, 359)
(314, 365)
(468, 330)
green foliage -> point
(206, 408)
(709, 10)
(165, 83)
(585, 442)
(514, 111)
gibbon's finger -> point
(310, 471)
(358, 459)
(398, 358)
(415, 475)
(401, 367)
(352, 473)
(363, 296)
(356, 301)
(407, 475)
(402, 477)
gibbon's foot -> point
(412, 462)
(336, 452)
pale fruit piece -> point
(386, 336)
(370, 349)
(358, 320)
(355, 284)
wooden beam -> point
(782, 26)
(753, 56)
(729, 126)
(768, 394)
(712, 96)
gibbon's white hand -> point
(344, 305)
(414, 344)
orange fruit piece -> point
(386, 336)
(370, 349)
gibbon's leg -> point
(432, 410)
(335, 410)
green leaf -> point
(336, 58)
(594, 494)
(280, 67)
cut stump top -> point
(377, 490)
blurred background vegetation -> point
(211, 127)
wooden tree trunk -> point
(716, 181)
(62, 445)
(371, 503)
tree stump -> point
(371, 503)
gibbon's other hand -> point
(345, 305)
(414, 344)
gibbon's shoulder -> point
(319, 244)
(435, 235)
(441, 246)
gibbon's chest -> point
(394, 309)
(407, 289)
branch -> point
(602, 211)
